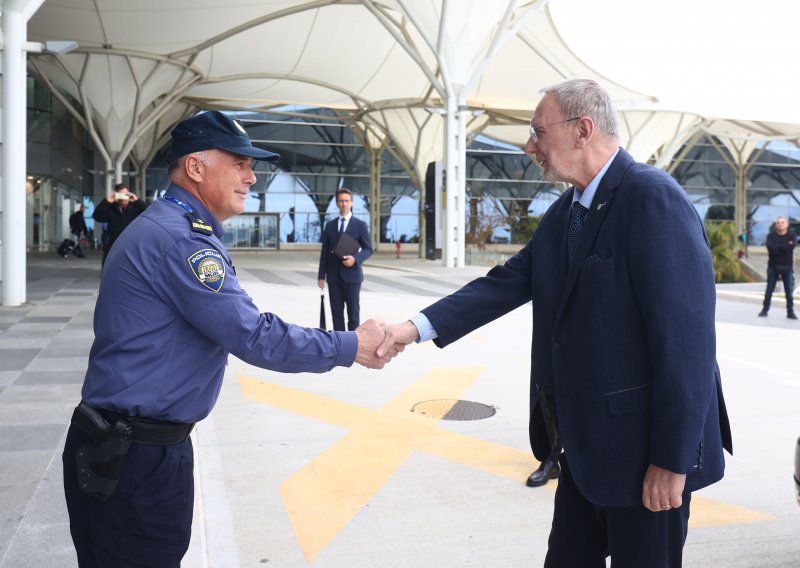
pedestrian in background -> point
(77, 226)
(780, 247)
(116, 212)
(341, 271)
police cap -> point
(214, 130)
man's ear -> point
(585, 131)
(194, 168)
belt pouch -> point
(99, 463)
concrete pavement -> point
(343, 469)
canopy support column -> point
(13, 271)
(375, 198)
(455, 183)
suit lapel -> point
(601, 204)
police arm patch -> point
(208, 267)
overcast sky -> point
(722, 58)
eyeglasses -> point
(535, 135)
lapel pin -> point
(600, 205)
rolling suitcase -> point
(65, 247)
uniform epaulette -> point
(198, 225)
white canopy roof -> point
(142, 66)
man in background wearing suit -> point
(623, 351)
(344, 273)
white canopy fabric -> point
(142, 66)
(424, 74)
(419, 76)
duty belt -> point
(100, 424)
(151, 432)
(99, 463)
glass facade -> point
(319, 154)
(506, 195)
(773, 185)
(252, 231)
(57, 168)
(774, 189)
(709, 181)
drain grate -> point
(448, 409)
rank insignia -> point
(198, 225)
(201, 227)
(209, 268)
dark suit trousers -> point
(584, 534)
(343, 294)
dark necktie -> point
(341, 226)
(576, 218)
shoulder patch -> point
(208, 267)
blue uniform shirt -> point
(169, 311)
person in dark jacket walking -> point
(118, 210)
(780, 246)
(77, 226)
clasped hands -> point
(379, 342)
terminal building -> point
(430, 143)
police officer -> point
(169, 311)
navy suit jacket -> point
(330, 265)
(624, 335)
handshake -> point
(378, 341)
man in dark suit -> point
(623, 352)
(344, 274)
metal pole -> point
(375, 197)
(455, 185)
(13, 159)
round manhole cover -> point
(454, 409)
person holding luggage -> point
(77, 226)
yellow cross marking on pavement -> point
(324, 496)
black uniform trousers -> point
(147, 523)
(344, 294)
(583, 535)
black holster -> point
(99, 462)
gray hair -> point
(174, 168)
(584, 97)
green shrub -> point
(722, 238)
